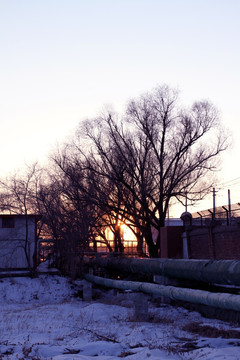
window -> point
(8, 222)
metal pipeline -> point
(225, 272)
(218, 300)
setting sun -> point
(127, 234)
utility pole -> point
(214, 203)
(229, 207)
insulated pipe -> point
(218, 300)
(225, 272)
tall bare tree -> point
(158, 152)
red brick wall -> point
(220, 242)
(171, 242)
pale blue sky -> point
(63, 60)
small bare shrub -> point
(26, 350)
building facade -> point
(18, 241)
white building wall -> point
(12, 242)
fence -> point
(129, 247)
(225, 215)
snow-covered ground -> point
(42, 319)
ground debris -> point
(71, 351)
(102, 337)
(211, 331)
(126, 353)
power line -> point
(228, 182)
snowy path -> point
(40, 319)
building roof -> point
(38, 217)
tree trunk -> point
(153, 251)
(118, 246)
(139, 237)
(152, 248)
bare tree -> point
(76, 215)
(159, 152)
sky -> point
(62, 61)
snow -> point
(43, 319)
